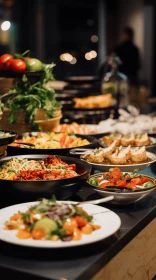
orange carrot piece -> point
(38, 233)
(23, 234)
(15, 217)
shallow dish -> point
(62, 188)
(108, 220)
(126, 167)
(123, 197)
(11, 150)
(152, 145)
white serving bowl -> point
(123, 197)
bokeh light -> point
(93, 54)
(88, 56)
(73, 61)
(5, 25)
(94, 38)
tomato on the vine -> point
(18, 65)
(5, 61)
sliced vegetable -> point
(94, 181)
(46, 224)
(148, 185)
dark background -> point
(50, 28)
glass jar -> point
(115, 82)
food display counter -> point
(56, 156)
(129, 253)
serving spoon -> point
(97, 201)
(26, 144)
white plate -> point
(108, 220)
(125, 167)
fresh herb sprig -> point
(29, 97)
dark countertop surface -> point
(80, 262)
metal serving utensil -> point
(98, 201)
(26, 144)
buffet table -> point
(130, 253)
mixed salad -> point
(116, 180)
(52, 220)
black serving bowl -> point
(61, 188)
(8, 139)
(11, 150)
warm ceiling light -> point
(5, 25)
(88, 56)
(74, 60)
(62, 57)
(68, 57)
(94, 38)
(93, 54)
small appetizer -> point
(97, 156)
(109, 139)
(141, 139)
(121, 156)
(139, 154)
(128, 139)
(107, 152)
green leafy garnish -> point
(28, 97)
(88, 217)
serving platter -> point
(105, 167)
(83, 129)
(152, 140)
(62, 188)
(107, 219)
(13, 150)
(123, 196)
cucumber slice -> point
(47, 224)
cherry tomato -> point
(5, 61)
(81, 221)
(18, 65)
(121, 183)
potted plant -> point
(32, 105)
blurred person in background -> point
(129, 55)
